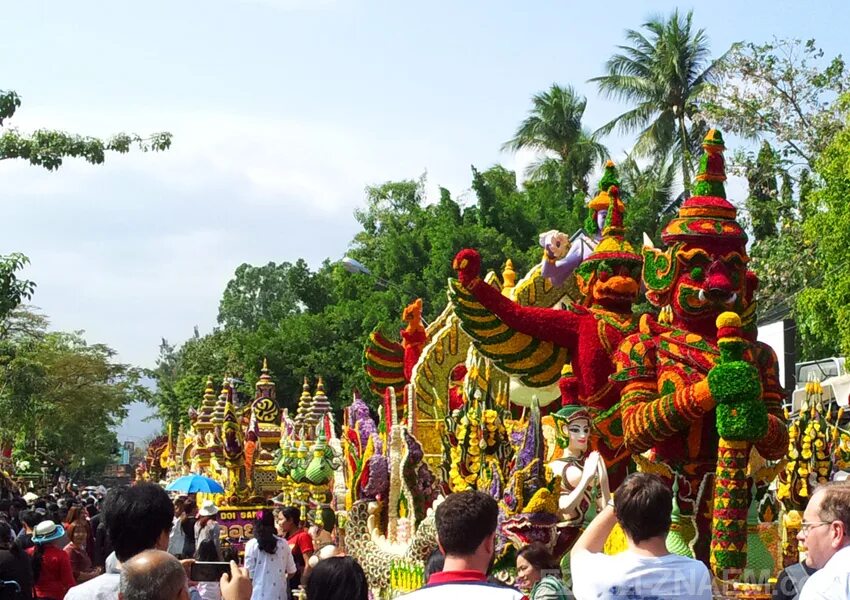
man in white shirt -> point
(466, 534)
(826, 533)
(138, 518)
(642, 506)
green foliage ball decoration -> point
(741, 414)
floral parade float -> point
(256, 452)
(686, 392)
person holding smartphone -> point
(157, 574)
(208, 590)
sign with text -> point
(237, 524)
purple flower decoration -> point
(358, 415)
(379, 478)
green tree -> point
(13, 290)
(61, 397)
(554, 127)
(181, 373)
(270, 293)
(763, 201)
(784, 91)
(166, 373)
(48, 148)
(823, 308)
(663, 71)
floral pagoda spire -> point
(220, 404)
(304, 403)
(712, 167)
(312, 409)
(264, 407)
(204, 420)
(508, 278)
(321, 404)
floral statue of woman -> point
(583, 476)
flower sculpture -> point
(537, 342)
(678, 397)
(476, 448)
(581, 475)
(529, 504)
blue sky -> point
(282, 112)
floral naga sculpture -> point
(391, 490)
(537, 342)
(671, 370)
(529, 502)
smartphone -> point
(208, 571)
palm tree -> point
(553, 126)
(663, 72)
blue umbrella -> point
(192, 484)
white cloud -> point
(142, 246)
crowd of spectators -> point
(137, 543)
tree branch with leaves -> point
(786, 92)
(48, 148)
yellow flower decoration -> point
(793, 518)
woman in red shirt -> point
(78, 518)
(300, 543)
(81, 564)
(51, 567)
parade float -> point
(544, 393)
(256, 451)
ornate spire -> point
(304, 403)
(204, 420)
(264, 407)
(707, 215)
(223, 398)
(321, 405)
(265, 386)
(712, 167)
(312, 409)
(508, 278)
(609, 177)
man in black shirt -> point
(790, 582)
(30, 519)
